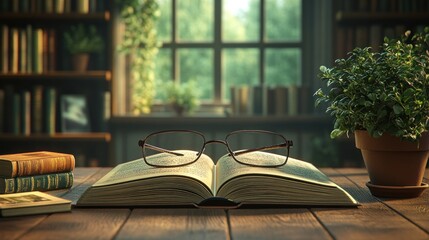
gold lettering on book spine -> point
(18, 185)
(15, 169)
(9, 185)
(60, 164)
(33, 183)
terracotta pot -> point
(392, 162)
(178, 109)
(80, 62)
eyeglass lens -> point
(262, 141)
(174, 142)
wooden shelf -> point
(92, 136)
(389, 17)
(65, 75)
(102, 16)
(38, 97)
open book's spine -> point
(40, 166)
(36, 183)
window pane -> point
(282, 67)
(195, 20)
(240, 67)
(283, 20)
(164, 24)
(197, 65)
(163, 71)
(240, 20)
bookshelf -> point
(362, 23)
(44, 103)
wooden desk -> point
(375, 219)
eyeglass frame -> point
(287, 144)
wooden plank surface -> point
(275, 224)
(15, 227)
(371, 220)
(414, 209)
(175, 224)
(80, 224)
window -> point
(225, 43)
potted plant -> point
(80, 41)
(182, 97)
(383, 98)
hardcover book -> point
(44, 182)
(205, 184)
(30, 203)
(35, 163)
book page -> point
(201, 170)
(29, 199)
(227, 168)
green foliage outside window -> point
(140, 41)
(150, 21)
(240, 24)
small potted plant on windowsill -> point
(182, 97)
(383, 98)
(81, 41)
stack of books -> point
(36, 171)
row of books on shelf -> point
(42, 110)
(24, 175)
(366, 6)
(347, 38)
(52, 6)
(263, 100)
(27, 50)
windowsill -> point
(213, 120)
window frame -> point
(217, 45)
(317, 21)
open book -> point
(228, 184)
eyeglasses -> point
(241, 145)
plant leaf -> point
(397, 109)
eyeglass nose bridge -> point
(216, 141)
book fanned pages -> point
(30, 203)
(224, 184)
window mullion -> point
(217, 51)
(261, 42)
(174, 58)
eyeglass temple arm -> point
(282, 145)
(162, 150)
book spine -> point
(14, 68)
(22, 51)
(52, 50)
(49, 101)
(16, 114)
(36, 109)
(5, 49)
(37, 183)
(25, 113)
(44, 166)
(29, 55)
(2, 110)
